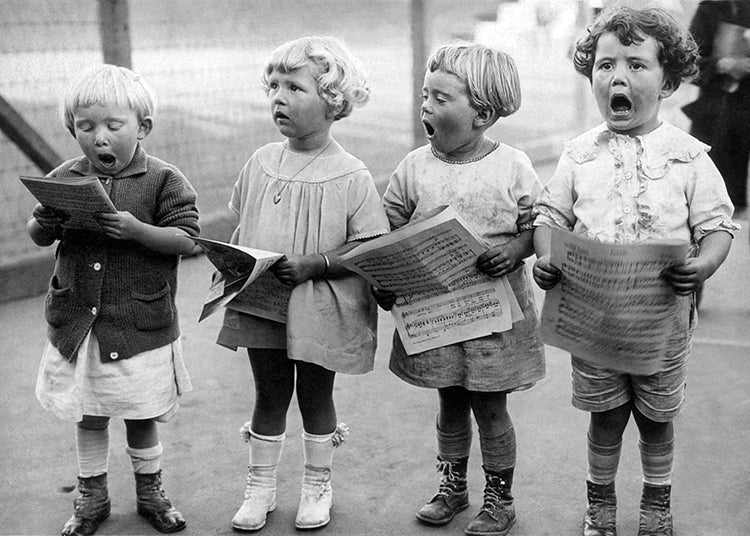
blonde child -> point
(114, 347)
(309, 198)
(467, 88)
(632, 179)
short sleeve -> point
(710, 208)
(526, 189)
(366, 217)
(399, 206)
(554, 206)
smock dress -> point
(323, 203)
(494, 194)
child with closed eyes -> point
(467, 89)
(632, 179)
(308, 198)
(114, 345)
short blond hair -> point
(341, 79)
(107, 85)
(490, 75)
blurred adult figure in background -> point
(721, 114)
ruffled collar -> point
(664, 143)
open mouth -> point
(428, 128)
(620, 104)
(278, 116)
(107, 160)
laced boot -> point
(91, 507)
(655, 518)
(601, 514)
(260, 488)
(452, 495)
(154, 505)
(498, 513)
(316, 495)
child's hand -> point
(295, 269)
(686, 277)
(545, 274)
(120, 225)
(498, 261)
(385, 298)
(48, 217)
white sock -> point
(92, 447)
(145, 461)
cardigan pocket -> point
(59, 307)
(153, 311)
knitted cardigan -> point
(120, 289)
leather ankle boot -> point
(91, 507)
(498, 513)
(154, 505)
(452, 496)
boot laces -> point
(449, 481)
(493, 496)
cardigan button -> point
(94, 310)
(97, 266)
(114, 355)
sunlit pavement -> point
(386, 471)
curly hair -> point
(678, 52)
(490, 75)
(341, 80)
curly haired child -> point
(632, 179)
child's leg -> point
(320, 437)
(92, 506)
(656, 446)
(453, 428)
(498, 444)
(145, 452)
(604, 448)
(657, 401)
(273, 375)
(260, 489)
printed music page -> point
(81, 198)
(241, 281)
(441, 296)
(612, 306)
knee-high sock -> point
(145, 461)
(656, 460)
(603, 462)
(498, 451)
(92, 447)
(454, 446)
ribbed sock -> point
(92, 447)
(603, 462)
(656, 460)
(145, 461)
(454, 446)
(498, 452)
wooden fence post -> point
(28, 140)
(114, 31)
(418, 18)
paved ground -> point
(386, 471)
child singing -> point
(467, 88)
(632, 179)
(114, 348)
(308, 198)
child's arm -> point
(44, 226)
(500, 260)
(295, 269)
(167, 240)
(686, 277)
(545, 275)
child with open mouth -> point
(632, 179)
